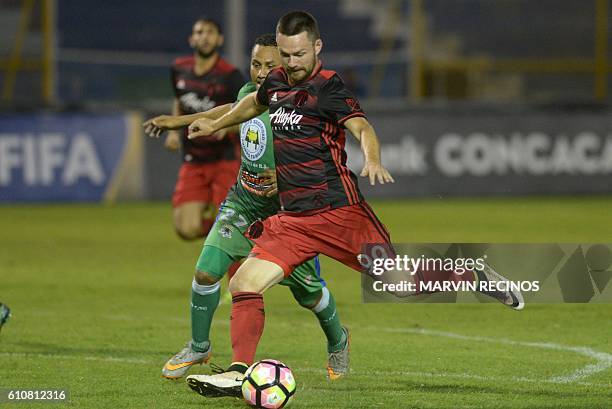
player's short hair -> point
(266, 40)
(210, 20)
(296, 22)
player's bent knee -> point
(204, 278)
(188, 225)
(307, 300)
(308, 306)
(205, 289)
(322, 301)
(188, 231)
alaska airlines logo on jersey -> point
(191, 102)
(284, 118)
(253, 138)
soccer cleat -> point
(513, 299)
(338, 362)
(227, 383)
(179, 364)
(5, 314)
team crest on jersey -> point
(353, 104)
(253, 138)
(225, 231)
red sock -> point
(246, 325)
(441, 276)
(206, 226)
(232, 269)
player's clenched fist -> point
(201, 127)
(375, 171)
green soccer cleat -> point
(5, 314)
(226, 383)
(338, 362)
(179, 364)
(512, 299)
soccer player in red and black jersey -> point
(201, 82)
(322, 209)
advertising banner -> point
(478, 153)
(70, 157)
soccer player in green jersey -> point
(253, 197)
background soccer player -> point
(201, 82)
(253, 197)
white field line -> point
(504, 379)
(308, 369)
(79, 357)
(604, 360)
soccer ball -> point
(268, 384)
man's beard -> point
(302, 73)
(206, 55)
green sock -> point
(325, 310)
(204, 302)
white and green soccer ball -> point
(268, 384)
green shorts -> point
(226, 244)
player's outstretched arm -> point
(173, 139)
(247, 108)
(370, 146)
(154, 127)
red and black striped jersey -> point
(199, 93)
(308, 125)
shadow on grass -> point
(97, 352)
(399, 386)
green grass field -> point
(100, 299)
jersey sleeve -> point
(338, 102)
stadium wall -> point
(430, 152)
(71, 157)
(488, 152)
